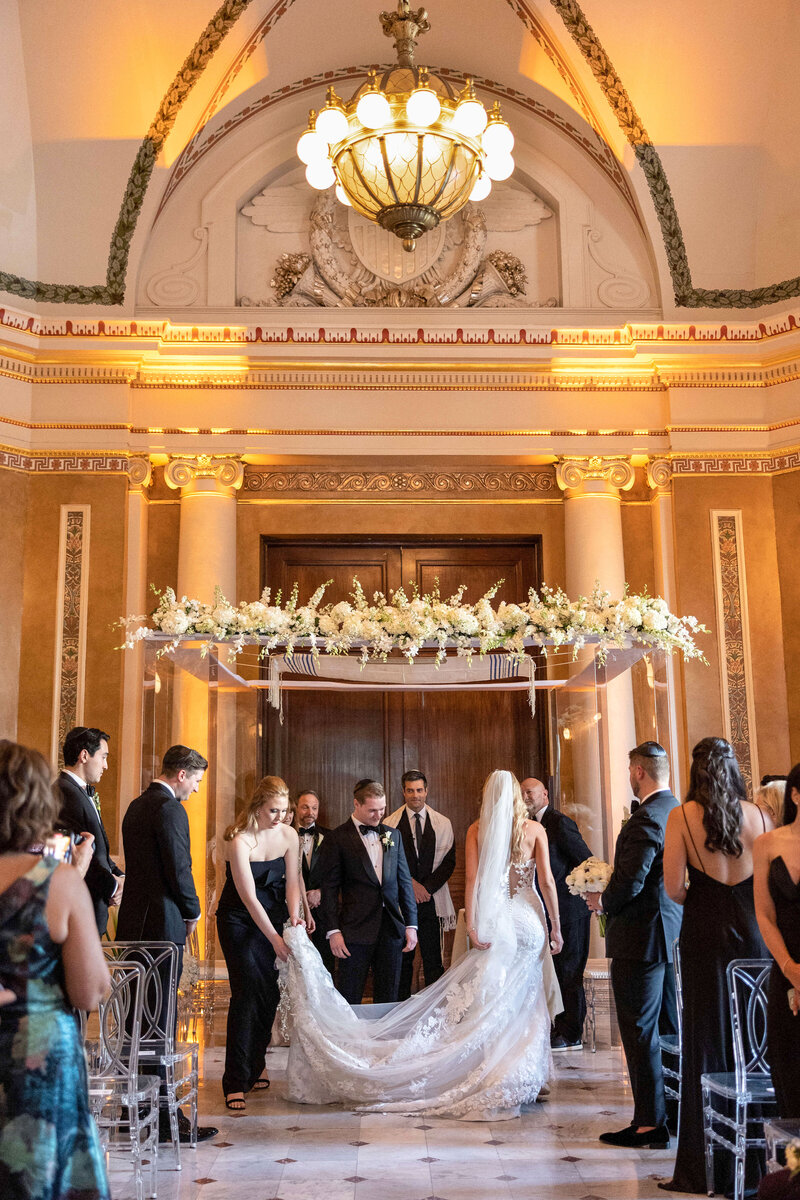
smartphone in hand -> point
(60, 846)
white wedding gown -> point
(475, 1045)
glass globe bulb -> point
(331, 124)
(311, 148)
(342, 197)
(373, 110)
(481, 188)
(470, 118)
(320, 175)
(497, 138)
(423, 107)
(499, 166)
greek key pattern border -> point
(582, 33)
(734, 641)
(71, 623)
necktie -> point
(417, 832)
(366, 830)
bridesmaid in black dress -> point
(261, 893)
(777, 888)
(711, 835)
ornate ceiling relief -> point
(517, 483)
(352, 263)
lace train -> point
(474, 1045)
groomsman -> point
(567, 848)
(312, 835)
(642, 925)
(431, 855)
(85, 754)
(368, 909)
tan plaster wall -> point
(786, 491)
(103, 691)
(694, 500)
(163, 532)
(637, 542)
(13, 503)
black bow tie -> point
(365, 830)
(310, 829)
(91, 791)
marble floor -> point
(283, 1151)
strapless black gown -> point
(783, 1027)
(719, 924)
(253, 977)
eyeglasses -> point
(648, 750)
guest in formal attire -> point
(261, 892)
(50, 960)
(770, 798)
(160, 902)
(777, 894)
(368, 910)
(711, 837)
(643, 922)
(430, 850)
(567, 848)
(85, 756)
(312, 835)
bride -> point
(475, 1044)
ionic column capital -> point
(227, 471)
(140, 473)
(614, 471)
(659, 474)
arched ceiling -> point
(699, 103)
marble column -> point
(602, 727)
(206, 560)
(140, 475)
(659, 480)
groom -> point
(368, 909)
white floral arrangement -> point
(592, 875)
(408, 622)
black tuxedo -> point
(642, 924)
(313, 880)
(78, 815)
(428, 928)
(159, 895)
(371, 915)
(567, 848)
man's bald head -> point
(534, 793)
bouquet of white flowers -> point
(590, 876)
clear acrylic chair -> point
(177, 1062)
(196, 991)
(749, 1085)
(123, 1103)
(671, 1044)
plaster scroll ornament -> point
(140, 472)
(659, 473)
(621, 289)
(572, 473)
(180, 472)
(175, 285)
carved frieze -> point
(346, 485)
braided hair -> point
(717, 785)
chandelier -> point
(406, 151)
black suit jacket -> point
(353, 899)
(421, 867)
(642, 920)
(567, 849)
(78, 815)
(159, 893)
(311, 870)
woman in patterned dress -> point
(50, 961)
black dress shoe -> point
(204, 1132)
(652, 1139)
(559, 1043)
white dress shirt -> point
(372, 844)
(412, 820)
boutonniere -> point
(386, 839)
(320, 839)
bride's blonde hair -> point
(271, 787)
(518, 821)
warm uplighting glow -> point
(407, 151)
(310, 146)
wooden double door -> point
(330, 739)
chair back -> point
(676, 969)
(120, 1020)
(747, 989)
(159, 961)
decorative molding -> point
(733, 635)
(344, 484)
(71, 623)
(617, 472)
(737, 463)
(71, 463)
(621, 289)
(175, 285)
(140, 473)
(659, 474)
(228, 471)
